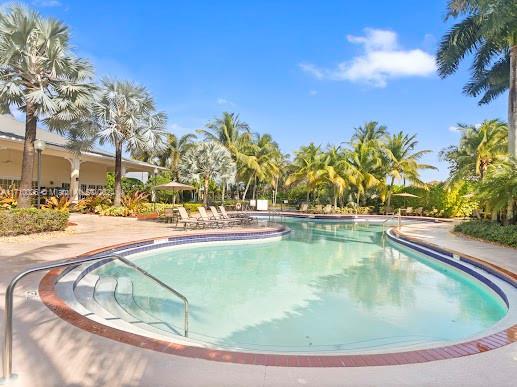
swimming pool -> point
(326, 287)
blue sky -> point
(300, 70)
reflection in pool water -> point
(326, 286)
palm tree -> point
(365, 160)
(371, 132)
(489, 31)
(307, 168)
(174, 149)
(207, 161)
(128, 120)
(335, 170)
(499, 189)
(41, 77)
(267, 155)
(402, 160)
(229, 131)
(479, 147)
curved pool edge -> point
(57, 305)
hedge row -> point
(31, 220)
(494, 232)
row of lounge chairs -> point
(217, 219)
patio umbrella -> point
(174, 186)
(406, 195)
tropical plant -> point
(207, 161)
(8, 197)
(479, 147)
(127, 119)
(134, 202)
(60, 204)
(499, 189)
(336, 171)
(489, 31)
(306, 168)
(175, 148)
(90, 203)
(403, 161)
(40, 76)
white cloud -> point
(224, 102)
(46, 3)
(312, 93)
(382, 59)
(454, 128)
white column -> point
(123, 171)
(75, 168)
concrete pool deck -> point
(50, 352)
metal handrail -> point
(7, 357)
(398, 215)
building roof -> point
(11, 128)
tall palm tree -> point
(307, 168)
(402, 161)
(479, 147)
(175, 148)
(128, 120)
(371, 132)
(489, 31)
(365, 160)
(40, 76)
(267, 154)
(207, 161)
(336, 170)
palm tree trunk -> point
(205, 197)
(255, 187)
(308, 196)
(223, 193)
(390, 192)
(512, 104)
(335, 198)
(509, 211)
(118, 174)
(247, 187)
(31, 121)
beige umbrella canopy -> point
(406, 195)
(174, 186)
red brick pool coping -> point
(60, 308)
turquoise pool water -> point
(327, 286)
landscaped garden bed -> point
(489, 231)
(31, 220)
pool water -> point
(325, 287)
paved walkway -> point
(441, 234)
(50, 352)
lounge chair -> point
(211, 221)
(318, 209)
(168, 215)
(243, 218)
(229, 221)
(327, 209)
(186, 220)
(303, 207)
(419, 211)
(389, 211)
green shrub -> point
(494, 232)
(106, 210)
(31, 220)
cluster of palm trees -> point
(41, 76)
(368, 166)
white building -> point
(61, 168)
